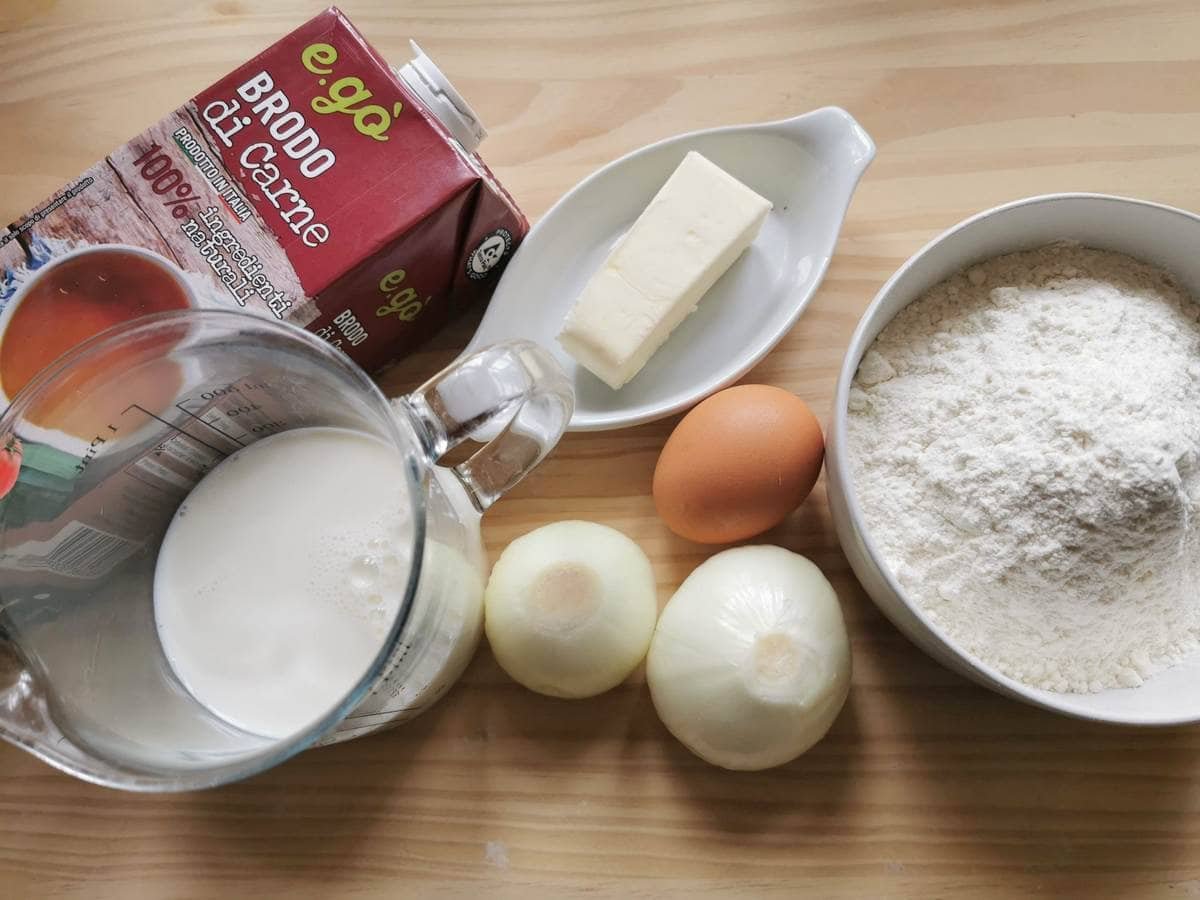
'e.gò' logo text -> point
(347, 95)
(404, 303)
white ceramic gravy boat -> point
(808, 166)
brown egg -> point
(737, 464)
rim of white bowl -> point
(850, 361)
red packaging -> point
(311, 185)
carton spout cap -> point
(438, 95)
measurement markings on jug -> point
(92, 449)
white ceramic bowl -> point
(1158, 234)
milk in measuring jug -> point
(281, 573)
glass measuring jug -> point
(118, 431)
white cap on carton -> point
(435, 91)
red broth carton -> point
(314, 184)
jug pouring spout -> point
(25, 719)
(22, 707)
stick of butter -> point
(694, 229)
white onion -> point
(569, 609)
(750, 662)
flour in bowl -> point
(1025, 446)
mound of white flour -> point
(1025, 443)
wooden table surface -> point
(927, 786)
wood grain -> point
(927, 786)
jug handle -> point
(514, 380)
